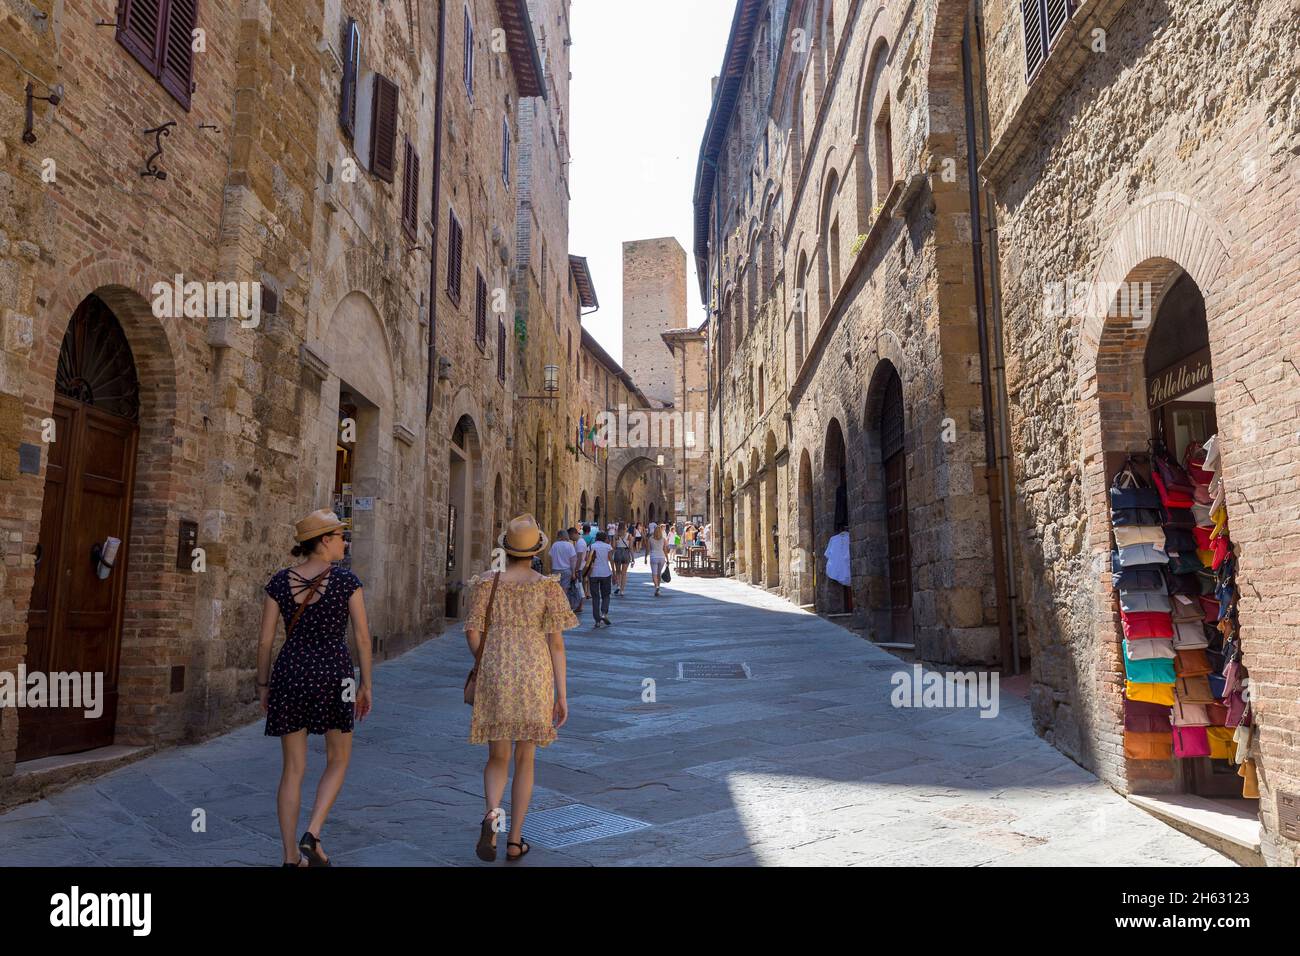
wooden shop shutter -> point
(453, 258)
(480, 309)
(383, 129)
(1035, 47)
(501, 349)
(351, 69)
(411, 191)
(177, 64)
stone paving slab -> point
(804, 763)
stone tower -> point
(654, 301)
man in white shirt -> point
(564, 560)
(580, 562)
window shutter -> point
(501, 349)
(139, 26)
(351, 69)
(469, 54)
(177, 63)
(1035, 48)
(480, 309)
(453, 258)
(505, 151)
(1058, 11)
(383, 129)
(411, 192)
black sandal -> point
(524, 847)
(310, 848)
(486, 850)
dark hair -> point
(601, 536)
(561, 534)
(306, 548)
(573, 531)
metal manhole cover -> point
(566, 826)
(712, 670)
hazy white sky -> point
(640, 97)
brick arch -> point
(1160, 229)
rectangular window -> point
(383, 129)
(160, 35)
(480, 309)
(469, 54)
(351, 75)
(454, 239)
(1043, 21)
(501, 350)
(505, 151)
(411, 192)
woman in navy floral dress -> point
(312, 688)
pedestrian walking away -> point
(658, 552)
(622, 559)
(515, 629)
(564, 561)
(580, 550)
(601, 574)
(312, 688)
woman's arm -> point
(555, 643)
(361, 627)
(265, 641)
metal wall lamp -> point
(551, 384)
(29, 128)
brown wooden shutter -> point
(351, 63)
(383, 129)
(139, 24)
(480, 309)
(501, 349)
(453, 258)
(176, 69)
(411, 192)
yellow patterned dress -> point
(514, 698)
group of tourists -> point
(514, 626)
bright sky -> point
(640, 97)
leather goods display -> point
(1148, 649)
(1187, 609)
(1153, 670)
(1147, 745)
(1189, 635)
(1139, 534)
(1147, 624)
(1151, 693)
(1135, 601)
(1218, 715)
(1191, 742)
(1185, 714)
(1222, 746)
(1194, 690)
(1191, 663)
(1137, 554)
(1140, 715)
(1139, 579)
(1124, 517)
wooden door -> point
(896, 530)
(75, 617)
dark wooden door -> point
(75, 620)
(75, 617)
(896, 530)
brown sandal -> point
(523, 851)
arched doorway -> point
(898, 540)
(757, 531)
(595, 514)
(835, 507)
(463, 518)
(75, 616)
(582, 508)
(771, 520)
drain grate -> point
(712, 670)
(566, 826)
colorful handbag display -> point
(1154, 670)
(1202, 536)
(1187, 608)
(1194, 690)
(1186, 562)
(1221, 744)
(1180, 541)
(1191, 663)
(1222, 549)
(1185, 584)
(1236, 704)
(1123, 517)
(1217, 714)
(1131, 580)
(1249, 781)
(1205, 557)
(1140, 715)
(1210, 608)
(1172, 496)
(1149, 649)
(1146, 745)
(1128, 491)
(1184, 714)
(1179, 518)
(1218, 686)
(1189, 635)
(1147, 624)
(1151, 693)
(1191, 742)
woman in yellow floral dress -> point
(520, 695)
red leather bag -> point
(1140, 624)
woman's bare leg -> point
(293, 747)
(494, 776)
(522, 790)
(338, 751)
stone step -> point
(1229, 826)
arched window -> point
(829, 272)
(800, 308)
(796, 126)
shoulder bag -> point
(471, 682)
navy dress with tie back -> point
(314, 668)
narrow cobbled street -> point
(798, 759)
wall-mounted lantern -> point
(550, 384)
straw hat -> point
(523, 538)
(316, 524)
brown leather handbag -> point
(471, 682)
